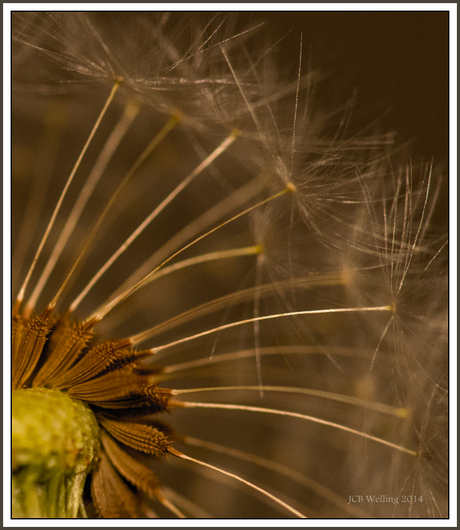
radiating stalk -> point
(248, 408)
(104, 158)
(209, 160)
(63, 194)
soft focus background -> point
(396, 61)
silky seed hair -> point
(220, 309)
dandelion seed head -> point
(174, 65)
(249, 305)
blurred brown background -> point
(397, 62)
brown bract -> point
(56, 354)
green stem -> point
(55, 444)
